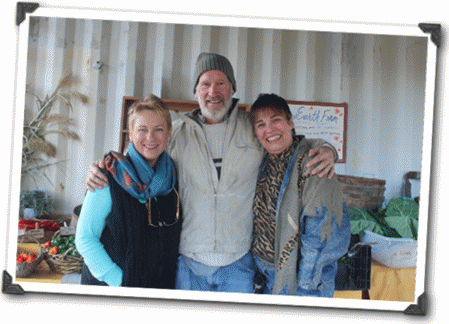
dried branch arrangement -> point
(37, 149)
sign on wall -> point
(327, 121)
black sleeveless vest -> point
(147, 255)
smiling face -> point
(214, 93)
(273, 130)
(150, 135)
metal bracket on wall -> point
(23, 8)
(434, 30)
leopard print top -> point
(264, 204)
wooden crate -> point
(359, 192)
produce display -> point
(399, 219)
(47, 225)
(27, 261)
(25, 256)
(56, 243)
(60, 245)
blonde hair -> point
(149, 103)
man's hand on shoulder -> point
(95, 178)
(325, 158)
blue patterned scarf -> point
(140, 180)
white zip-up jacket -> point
(217, 215)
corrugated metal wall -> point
(381, 77)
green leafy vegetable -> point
(399, 219)
(361, 219)
(402, 215)
(402, 207)
(388, 231)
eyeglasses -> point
(162, 223)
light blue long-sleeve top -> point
(92, 221)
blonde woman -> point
(128, 232)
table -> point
(43, 272)
(392, 284)
(386, 283)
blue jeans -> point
(236, 277)
(268, 271)
(324, 289)
(87, 278)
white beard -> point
(218, 115)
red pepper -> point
(47, 244)
(27, 224)
(31, 258)
(47, 225)
(54, 227)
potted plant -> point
(35, 204)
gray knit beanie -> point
(211, 61)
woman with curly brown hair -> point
(301, 225)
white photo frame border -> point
(430, 31)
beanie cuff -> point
(211, 61)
